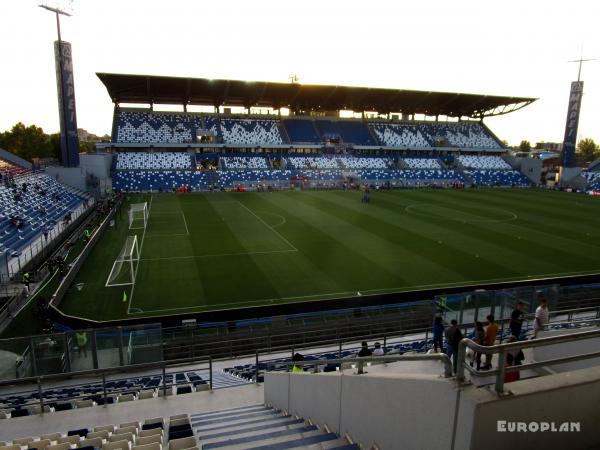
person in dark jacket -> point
(478, 338)
(453, 337)
(516, 320)
(364, 350)
(438, 335)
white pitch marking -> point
(268, 226)
(386, 290)
(185, 223)
(217, 255)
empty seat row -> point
(155, 160)
(483, 162)
(245, 131)
(82, 396)
(152, 434)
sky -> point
(515, 48)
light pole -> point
(66, 95)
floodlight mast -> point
(59, 12)
(581, 61)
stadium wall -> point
(96, 164)
(530, 167)
(71, 176)
(426, 411)
(404, 410)
(533, 400)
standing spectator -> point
(86, 235)
(82, 342)
(491, 331)
(438, 335)
(364, 350)
(297, 368)
(453, 337)
(516, 320)
(26, 280)
(378, 350)
(541, 316)
(478, 338)
(45, 232)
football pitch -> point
(203, 252)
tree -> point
(588, 149)
(525, 146)
(27, 142)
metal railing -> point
(102, 373)
(503, 349)
(366, 360)
(560, 314)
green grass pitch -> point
(211, 251)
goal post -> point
(123, 270)
(138, 216)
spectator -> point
(511, 376)
(297, 368)
(478, 338)
(82, 341)
(541, 316)
(453, 337)
(516, 320)
(378, 350)
(86, 235)
(438, 335)
(26, 280)
(45, 232)
(491, 331)
(364, 350)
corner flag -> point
(124, 297)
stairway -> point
(260, 428)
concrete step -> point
(257, 427)
(338, 444)
(264, 425)
(307, 440)
(210, 423)
(269, 429)
(265, 439)
(230, 412)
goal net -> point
(138, 216)
(124, 268)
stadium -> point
(266, 265)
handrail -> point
(502, 350)
(107, 370)
(119, 369)
(361, 361)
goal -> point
(124, 268)
(138, 216)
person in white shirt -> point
(378, 351)
(541, 316)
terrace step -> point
(259, 427)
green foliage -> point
(525, 146)
(588, 150)
(29, 142)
